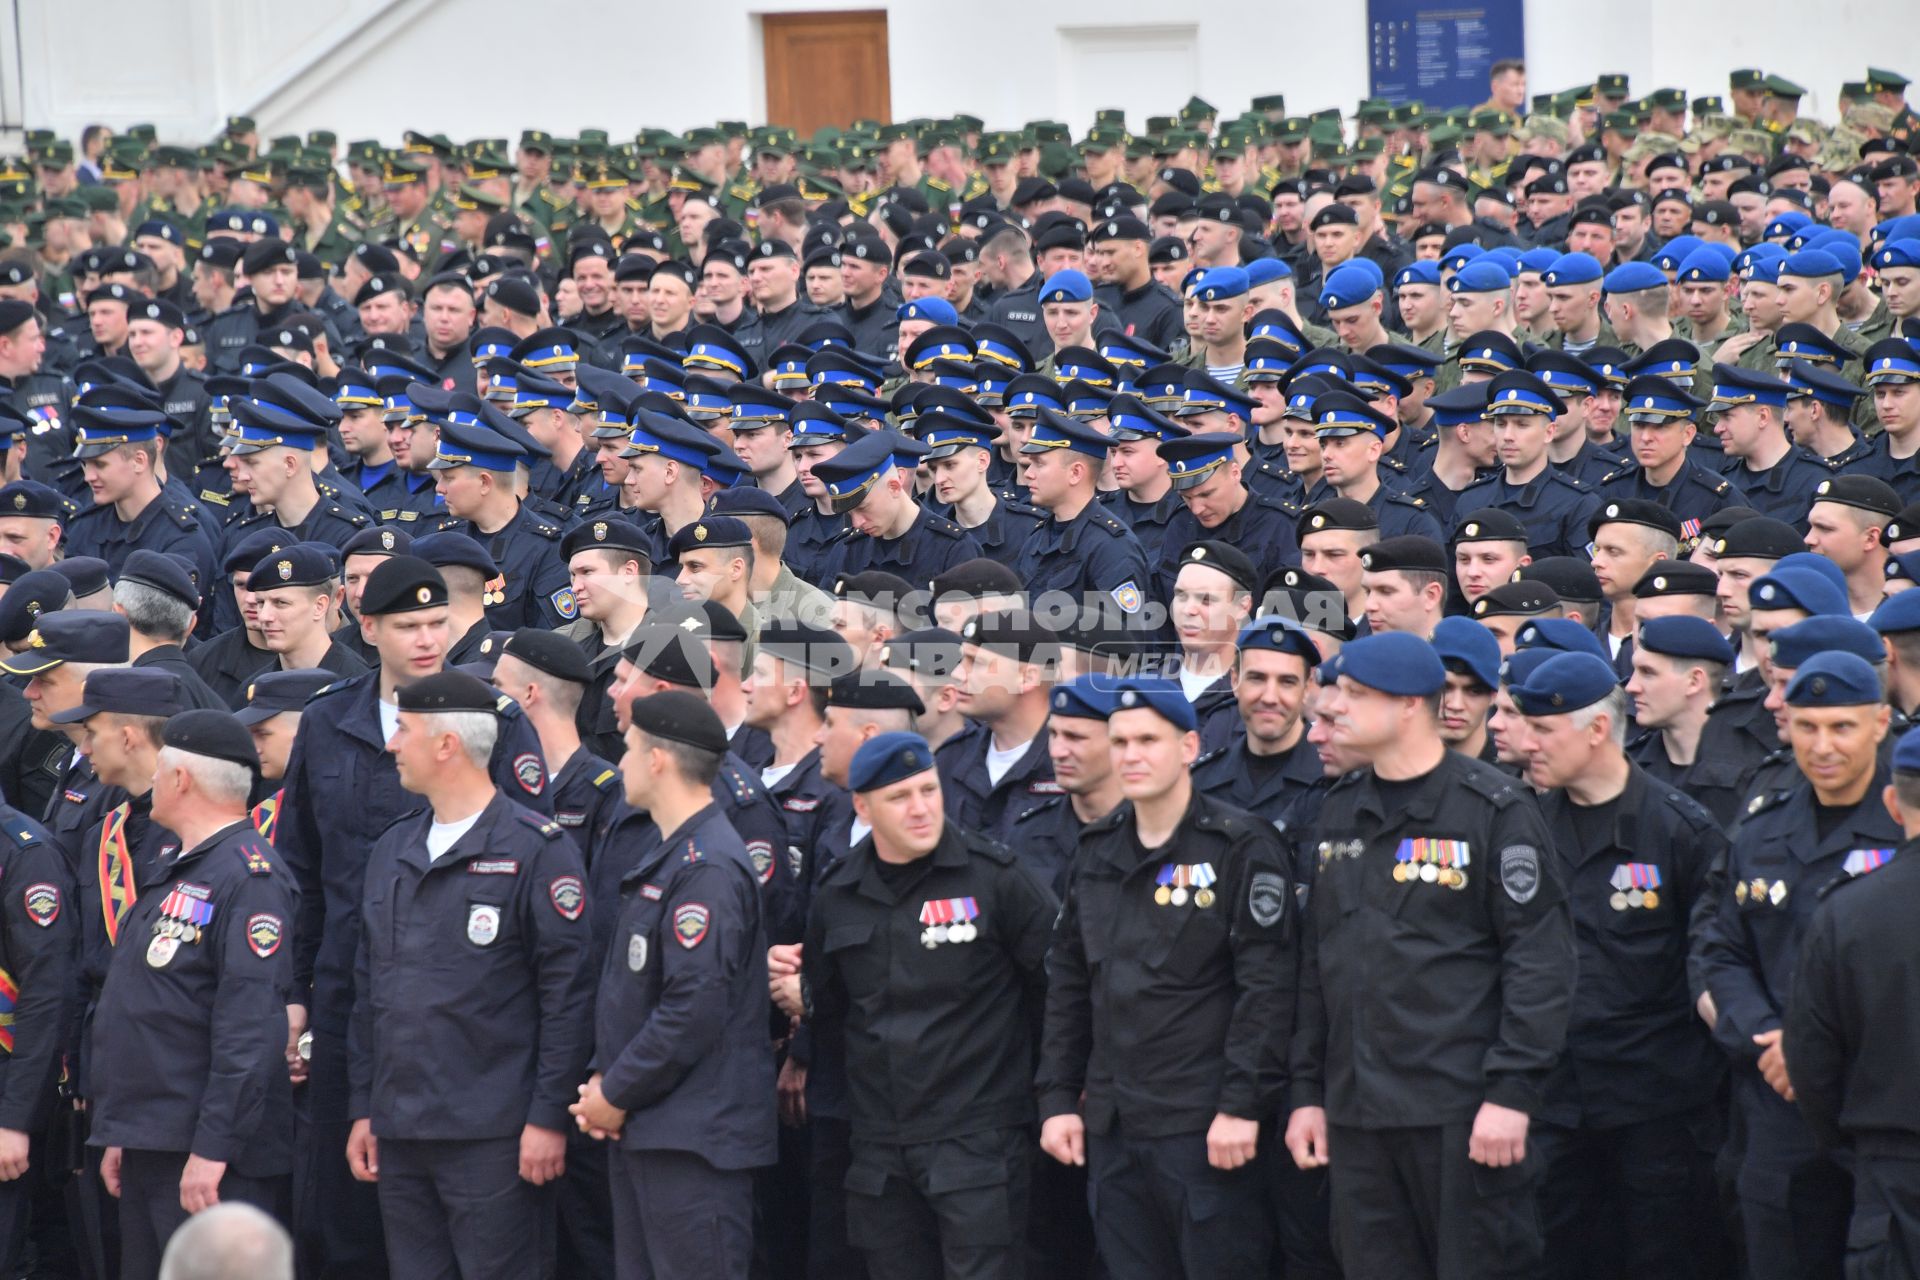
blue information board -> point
(1439, 54)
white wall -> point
(470, 68)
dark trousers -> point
(1408, 1203)
(150, 1209)
(677, 1217)
(585, 1228)
(1795, 1218)
(1621, 1201)
(830, 1255)
(93, 1219)
(1161, 1212)
(1884, 1240)
(1059, 1227)
(954, 1209)
(1302, 1215)
(460, 1211)
(336, 1219)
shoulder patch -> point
(544, 825)
(256, 859)
(605, 779)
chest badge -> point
(1432, 861)
(483, 925)
(637, 952)
(1175, 879)
(161, 950)
(949, 920)
(1635, 884)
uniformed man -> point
(889, 530)
(1679, 666)
(340, 751)
(547, 675)
(1777, 476)
(272, 715)
(608, 563)
(37, 962)
(1169, 993)
(157, 594)
(682, 1074)
(665, 458)
(1048, 833)
(459, 1144)
(191, 1103)
(1082, 551)
(1437, 919)
(1823, 820)
(272, 276)
(474, 465)
(959, 457)
(873, 958)
(1143, 497)
(1845, 1040)
(1552, 503)
(996, 768)
(1661, 424)
(1627, 1105)
(817, 434)
(1268, 764)
(1405, 581)
(1212, 599)
(119, 455)
(1352, 437)
(1217, 505)
(33, 389)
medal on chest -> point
(949, 920)
(1427, 860)
(1176, 881)
(1635, 885)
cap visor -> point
(251, 714)
(29, 663)
(74, 715)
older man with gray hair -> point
(229, 1242)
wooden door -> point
(826, 68)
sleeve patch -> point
(760, 853)
(564, 604)
(569, 898)
(531, 773)
(263, 934)
(690, 921)
(43, 903)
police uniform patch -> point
(531, 773)
(1127, 596)
(690, 921)
(564, 604)
(797, 804)
(637, 952)
(493, 867)
(760, 853)
(263, 934)
(43, 903)
(483, 924)
(1520, 872)
(569, 899)
(1266, 898)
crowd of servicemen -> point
(1248, 699)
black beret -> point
(1337, 513)
(1908, 519)
(87, 574)
(1515, 600)
(612, 535)
(404, 584)
(874, 587)
(452, 550)
(1867, 493)
(816, 649)
(448, 691)
(1490, 524)
(1307, 598)
(217, 735)
(1676, 578)
(551, 652)
(709, 531)
(1409, 551)
(977, 578)
(681, 717)
(668, 653)
(1636, 511)
(33, 499)
(378, 541)
(1225, 557)
(933, 652)
(163, 573)
(874, 690)
(1762, 538)
(1016, 630)
(1571, 577)
(264, 255)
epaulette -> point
(1274, 500)
(1765, 800)
(1571, 481)
(1019, 508)
(1108, 521)
(1690, 809)
(183, 514)
(943, 526)
(1611, 476)
(1208, 757)
(1722, 487)
(739, 192)
(1395, 463)
(1403, 498)
(546, 529)
(1492, 784)
(544, 825)
(1040, 808)
(217, 499)
(737, 780)
(353, 518)
(22, 835)
(255, 858)
(1112, 821)
(336, 687)
(606, 779)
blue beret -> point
(1793, 646)
(1682, 636)
(1797, 588)
(1087, 697)
(1522, 663)
(1469, 644)
(1480, 277)
(1460, 255)
(1348, 284)
(1705, 264)
(1266, 270)
(1812, 263)
(1066, 286)
(1562, 635)
(1834, 680)
(1803, 560)
(1897, 613)
(1538, 262)
(1279, 635)
(1163, 697)
(886, 758)
(1574, 268)
(1670, 255)
(1898, 253)
(1424, 271)
(1632, 277)
(1765, 269)
(1563, 683)
(1396, 663)
(1906, 752)
(940, 311)
(1217, 284)
(1844, 249)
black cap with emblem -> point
(681, 717)
(404, 584)
(218, 735)
(549, 652)
(448, 691)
